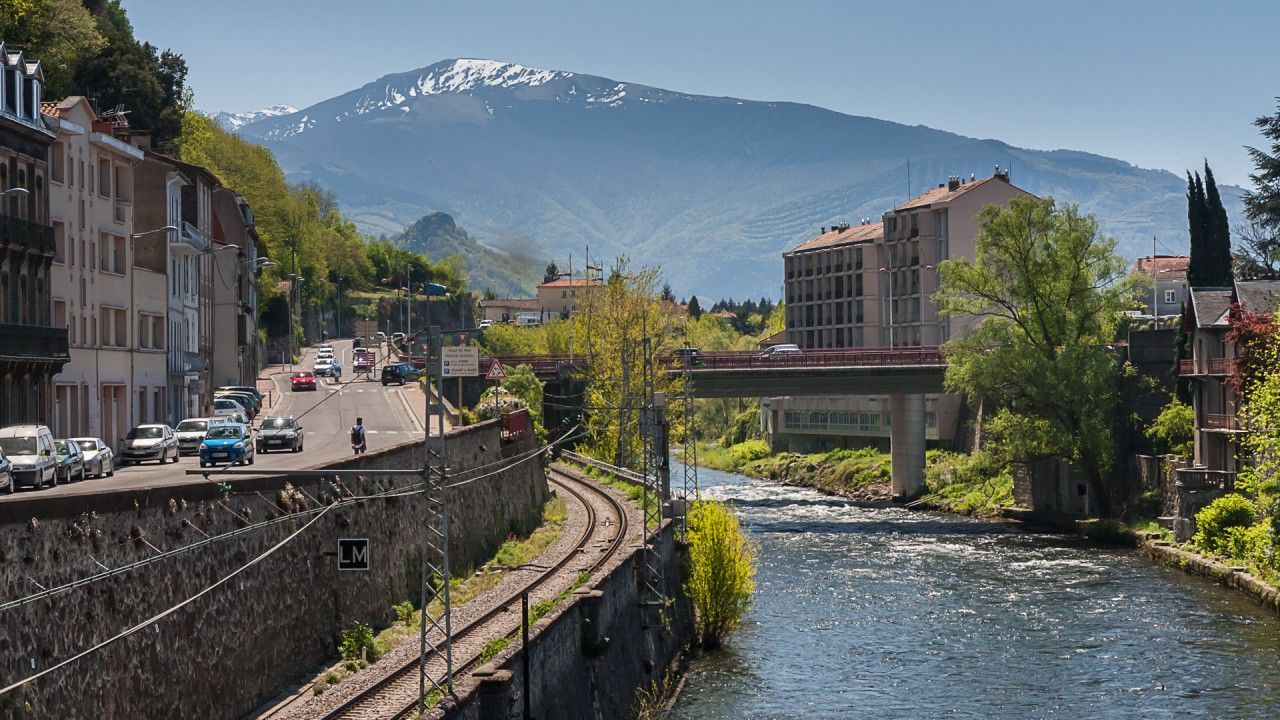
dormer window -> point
(28, 95)
(10, 89)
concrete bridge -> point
(906, 375)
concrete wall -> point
(589, 656)
(234, 648)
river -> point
(864, 613)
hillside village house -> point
(506, 310)
(115, 319)
(1169, 275)
(33, 348)
(870, 286)
(561, 298)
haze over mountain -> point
(713, 189)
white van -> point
(30, 449)
(528, 320)
(780, 350)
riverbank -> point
(965, 484)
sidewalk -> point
(415, 398)
(267, 386)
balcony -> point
(16, 233)
(190, 237)
(1215, 366)
(33, 343)
(1221, 421)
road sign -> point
(496, 372)
(460, 361)
(353, 553)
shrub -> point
(1173, 429)
(749, 451)
(1251, 544)
(1214, 521)
(721, 571)
(357, 641)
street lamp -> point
(15, 191)
(166, 228)
(408, 310)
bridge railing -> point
(920, 356)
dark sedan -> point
(6, 473)
(70, 462)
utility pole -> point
(435, 641)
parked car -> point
(244, 388)
(30, 452)
(485, 323)
(278, 433)
(780, 350)
(227, 406)
(397, 338)
(303, 380)
(152, 441)
(226, 444)
(382, 337)
(528, 320)
(189, 433)
(6, 473)
(98, 456)
(70, 461)
(246, 401)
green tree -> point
(695, 310)
(722, 571)
(1173, 430)
(1200, 268)
(1049, 292)
(58, 33)
(1218, 230)
(550, 273)
(1262, 204)
(522, 383)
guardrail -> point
(1221, 421)
(621, 473)
(896, 357)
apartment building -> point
(234, 304)
(561, 298)
(116, 377)
(33, 348)
(829, 280)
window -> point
(113, 254)
(57, 160)
(1170, 296)
(59, 242)
(104, 177)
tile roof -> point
(1211, 305)
(1162, 265)
(842, 236)
(943, 193)
(778, 338)
(1258, 296)
(571, 282)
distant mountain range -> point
(234, 121)
(713, 189)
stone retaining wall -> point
(1236, 578)
(236, 647)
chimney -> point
(1001, 174)
(953, 182)
(822, 230)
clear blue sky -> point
(1158, 83)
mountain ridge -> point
(712, 188)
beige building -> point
(116, 377)
(506, 310)
(561, 298)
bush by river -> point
(969, 484)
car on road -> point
(152, 441)
(397, 338)
(190, 433)
(279, 433)
(399, 373)
(303, 380)
(226, 444)
(357, 342)
(227, 406)
(381, 337)
(70, 461)
(692, 354)
(323, 367)
(485, 324)
(98, 456)
(247, 401)
(324, 352)
(783, 350)
(6, 473)
(30, 452)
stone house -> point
(1169, 277)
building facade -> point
(33, 348)
(561, 298)
(116, 376)
(235, 291)
(1170, 290)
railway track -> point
(395, 695)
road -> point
(326, 416)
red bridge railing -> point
(746, 359)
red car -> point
(303, 380)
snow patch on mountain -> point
(235, 121)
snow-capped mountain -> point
(234, 121)
(711, 188)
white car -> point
(382, 337)
(785, 349)
(226, 406)
(485, 323)
(323, 367)
(98, 457)
(324, 352)
(190, 434)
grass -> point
(634, 493)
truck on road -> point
(363, 362)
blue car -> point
(226, 443)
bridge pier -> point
(906, 444)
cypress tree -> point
(1219, 231)
(695, 310)
(1200, 268)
